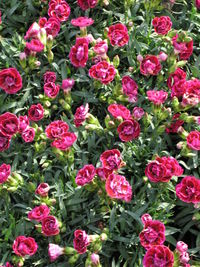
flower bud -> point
(181, 246)
(184, 257)
(94, 259)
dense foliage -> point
(100, 129)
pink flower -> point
(145, 218)
(188, 190)
(4, 142)
(184, 257)
(157, 97)
(138, 113)
(52, 26)
(175, 77)
(111, 159)
(49, 76)
(162, 56)
(95, 259)
(150, 65)
(193, 140)
(85, 175)
(118, 35)
(118, 187)
(162, 25)
(39, 213)
(158, 255)
(81, 115)
(130, 88)
(65, 142)
(42, 190)
(156, 172)
(82, 22)
(103, 173)
(36, 112)
(59, 9)
(128, 130)
(24, 246)
(79, 53)
(35, 46)
(67, 84)
(184, 49)
(178, 89)
(101, 48)
(81, 241)
(57, 129)
(197, 4)
(23, 123)
(181, 246)
(55, 252)
(10, 80)
(50, 226)
(152, 234)
(118, 110)
(5, 171)
(86, 4)
(9, 124)
(33, 31)
(51, 89)
(28, 135)
(103, 72)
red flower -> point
(9, 124)
(24, 246)
(80, 115)
(172, 166)
(197, 4)
(103, 173)
(49, 77)
(52, 26)
(35, 45)
(57, 129)
(184, 49)
(176, 123)
(130, 88)
(118, 187)
(128, 130)
(159, 255)
(5, 171)
(81, 241)
(157, 97)
(42, 190)
(28, 135)
(79, 52)
(103, 72)
(162, 25)
(59, 9)
(156, 172)
(118, 35)
(189, 190)
(85, 175)
(51, 89)
(39, 213)
(86, 4)
(4, 142)
(179, 88)
(65, 142)
(10, 80)
(150, 65)
(152, 234)
(36, 112)
(193, 140)
(23, 123)
(33, 31)
(118, 110)
(111, 159)
(50, 226)
(82, 22)
(175, 77)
